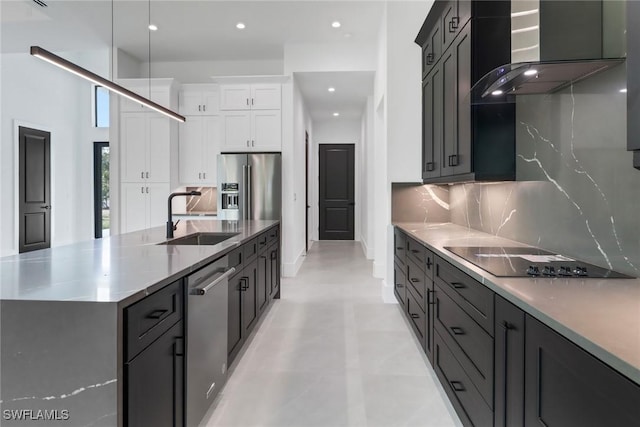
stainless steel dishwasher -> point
(206, 327)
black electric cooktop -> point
(530, 262)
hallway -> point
(331, 353)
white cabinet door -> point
(190, 102)
(266, 130)
(266, 96)
(134, 207)
(190, 150)
(158, 150)
(235, 97)
(211, 143)
(133, 141)
(159, 96)
(237, 130)
(211, 102)
(157, 204)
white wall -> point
(202, 71)
(35, 93)
(367, 173)
(336, 131)
(300, 57)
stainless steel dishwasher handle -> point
(220, 278)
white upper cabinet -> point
(237, 130)
(144, 147)
(258, 96)
(266, 130)
(199, 100)
(265, 96)
(199, 144)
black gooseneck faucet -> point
(170, 226)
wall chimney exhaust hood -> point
(554, 44)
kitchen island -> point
(62, 322)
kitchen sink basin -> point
(200, 239)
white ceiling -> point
(202, 30)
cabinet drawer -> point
(250, 250)
(399, 246)
(465, 398)
(417, 283)
(273, 235)
(417, 318)
(149, 318)
(416, 252)
(471, 344)
(236, 258)
(474, 298)
(399, 283)
(263, 241)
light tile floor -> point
(331, 353)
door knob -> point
(45, 207)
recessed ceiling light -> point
(623, 90)
(336, 114)
(496, 92)
(153, 27)
(240, 26)
(332, 89)
(336, 24)
(531, 72)
(347, 35)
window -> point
(101, 107)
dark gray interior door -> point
(336, 191)
(34, 189)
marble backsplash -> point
(577, 192)
(419, 203)
(207, 202)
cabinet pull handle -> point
(429, 58)
(247, 101)
(245, 286)
(147, 174)
(414, 251)
(399, 248)
(414, 280)
(147, 190)
(414, 315)
(253, 143)
(247, 142)
(199, 175)
(251, 101)
(429, 263)
(458, 285)
(204, 108)
(399, 285)
(142, 190)
(199, 107)
(430, 166)
(156, 314)
(456, 330)
(204, 175)
(142, 175)
(430, 299)
(453, 160)
(456, 385)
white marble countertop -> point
(118, 269)
(600, 315)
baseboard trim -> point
(379, 270)
(291, 269)
(388, 297)
(368, 253)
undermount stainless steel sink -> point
(200, 239)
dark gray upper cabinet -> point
(462, 141)
(633, 80)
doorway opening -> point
(101, 212)
(337, 192)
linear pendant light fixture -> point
(45, 55)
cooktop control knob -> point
(533, 270)
(565, 271)
(549, 270)
(580, 271)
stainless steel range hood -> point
(554, 44)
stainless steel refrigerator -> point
(249, 186)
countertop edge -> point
(623, 367)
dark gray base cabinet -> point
(567, 387)
(255, 284)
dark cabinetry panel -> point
(509, 365)
(461, 140)
(633, 80)
(249, 297)
(399, 283)
(234, 317)
(155, 382)
(565, 386)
